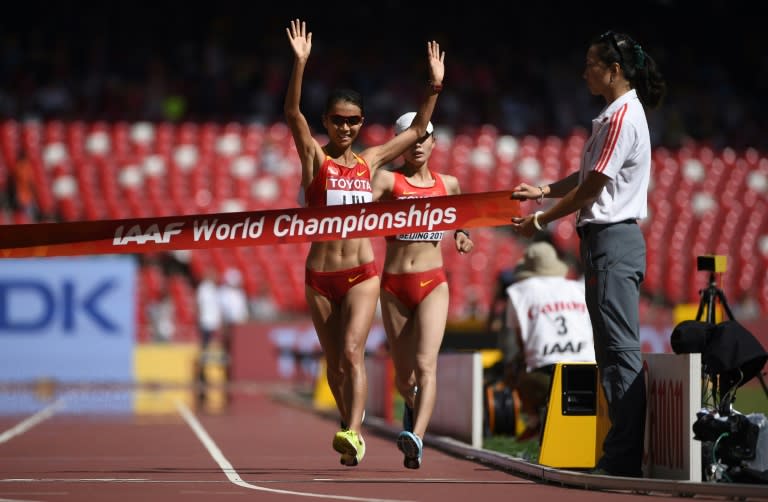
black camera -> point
(735, 436)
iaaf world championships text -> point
(272, 226)
(289, 225)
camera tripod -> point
(709, 298)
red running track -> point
(256, 448)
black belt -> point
(585, 230)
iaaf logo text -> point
(152, 233)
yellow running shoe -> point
(351, 446)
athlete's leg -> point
(327, 321)
(398, 326)
(357, 311)
(430, 320)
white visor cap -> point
(405, 120)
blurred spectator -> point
(547, 323)
(497, 313)
(162, 317)
(234, 308)
(21, 188)
(209, 316)
(748, 308)
(233, 301)
(263, 307)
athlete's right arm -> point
(380, 155)
(309, 150)
(382, 184)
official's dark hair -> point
(344, 95)
(639, 67)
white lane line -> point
(234, 477)
(272, 481)
(18, 500)
(30, 422)
(439, 481)
(73, 480)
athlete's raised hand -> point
(436, 63)
(301, 40)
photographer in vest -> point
(547, 323)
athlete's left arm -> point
(463, 242)
(380, 155)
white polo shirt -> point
(619, 148)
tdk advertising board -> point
(68, 319)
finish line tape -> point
(257, 228)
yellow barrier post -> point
(323, 397)
(577, 418)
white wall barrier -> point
(459, 407)
(674, 397)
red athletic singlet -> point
(336, 185)
(403, 189)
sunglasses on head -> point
(339, 120)
(610, 36)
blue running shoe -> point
(411, 446)
(407, 418)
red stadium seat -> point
(701, 201)
(564, 234)
(183, 299)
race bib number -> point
(345, 197)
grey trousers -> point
(614, 266)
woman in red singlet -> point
(414, 289)
(342, 284)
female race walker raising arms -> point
(414, 289)
(610, 193)
(342, 284)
